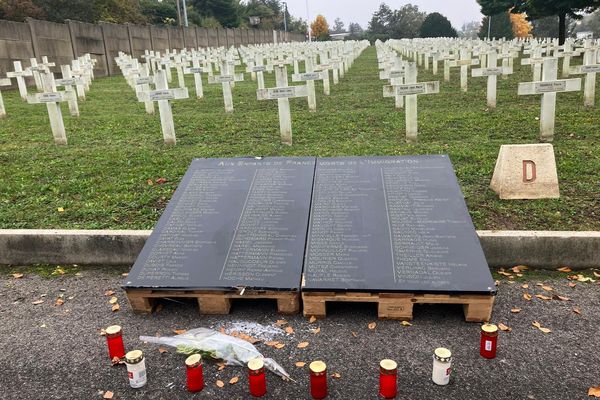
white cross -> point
(590, 67)
(52, 98)
(20, 75)
(548, 88)
(142, 84)
(310, 76)
(492, 71)
(3, 82)
(411, 89)
(283, 93)
(225, 80)
(464, 63)
(68, 81)
(163, 94)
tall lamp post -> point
(308, 23)
(285, 16)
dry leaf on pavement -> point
(234, 380)
(525, 286)
(280, 322)
(547, 288)
(179, 331)
(108, 395)
(37, 302)
(312, 319)
(113, 300)
(576, 310)
(594, 391)
(315, 331)
(504, 328)
(162, 350)
(302, 345)
(515, 310)
(289, 330)
(372, 325)
(272, 343)
(527, 296)
(565, 269)
(59, 302)
(406, 323)
(559, 297)
(279, 346)
(109, 293)
(220, 383)
(17, 276)
(300, 364)
(336, 375)
(115, 307)
(354, 334)
(542, 297)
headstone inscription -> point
(232, 223)
(397, 224)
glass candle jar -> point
(388, 376)
(442, 363)
(318, 380)
(136, 368)
(114, 340)
(194, 373)
(489, 341)
(256, 377)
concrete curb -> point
(540, 249)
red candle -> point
(256, 377)
(388, 376)
(114, 339)
(318, 380)
(195, 378)
(489, 341)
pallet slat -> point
(477, 308)
(213, 302)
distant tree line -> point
(205, 13)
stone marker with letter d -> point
(526, 171)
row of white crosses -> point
(257, 59)
(76, 79)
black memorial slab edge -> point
(229, 218)
(376, 220)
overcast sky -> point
(361, 11)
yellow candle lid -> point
(134, 357)
(442, 353)
(388, 365)
(317, 366)
(489, 328)
(256, 364)
(193, 360)
(113, 329)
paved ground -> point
(56, 352)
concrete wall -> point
(63, 42)
(541, 249)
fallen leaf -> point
(113, 300)
(280, 322)
(302, 345)
(272, 343)
(102, 332)
(559, 297)
(519, 268)
(597, 275)
(539, 326)
(594, 391)
(109, 293)
(59, 302)
(220, 383)
(17, 276)
(565, 269)
(354, 334)
(525, 286)
(289, 330)
(179, 331)
(108, 395)
(150, 182)
(372, 325)
(234, 380)
(315, 331)
(545, 330)
(497, 283)
(504, 273)
(221, 367)
(42, 325)
(312, 319)
(162, 350)
(125, 274)
(160, 181)
(300, 364)
(536, 324)
(504, 328)
(117, 361)
(576, 310)
(279, 346)
(406, 323)
(115, 307)
(60, 209)
(527, 296)
(336, 375)
(515, 310)
(37, 302)
(58, 271)
(520, 275)
(542, 297)
(572, 284)
(547, 288)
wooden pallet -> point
(477, 308)
(213, 302)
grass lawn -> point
(101, 178)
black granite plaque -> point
(392, 224)
(231, 223)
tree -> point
(18, 10)
(355, 30)
(436, 25)
(520, 26)
(395, 24)
(536, 9)
(225, 11)
(157, 13)
(320, 28)
(501, 27)
(338, 26)
(590, 23)
(470, 30)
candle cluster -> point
(257, 383)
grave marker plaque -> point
(238, 222)
(392, 224)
